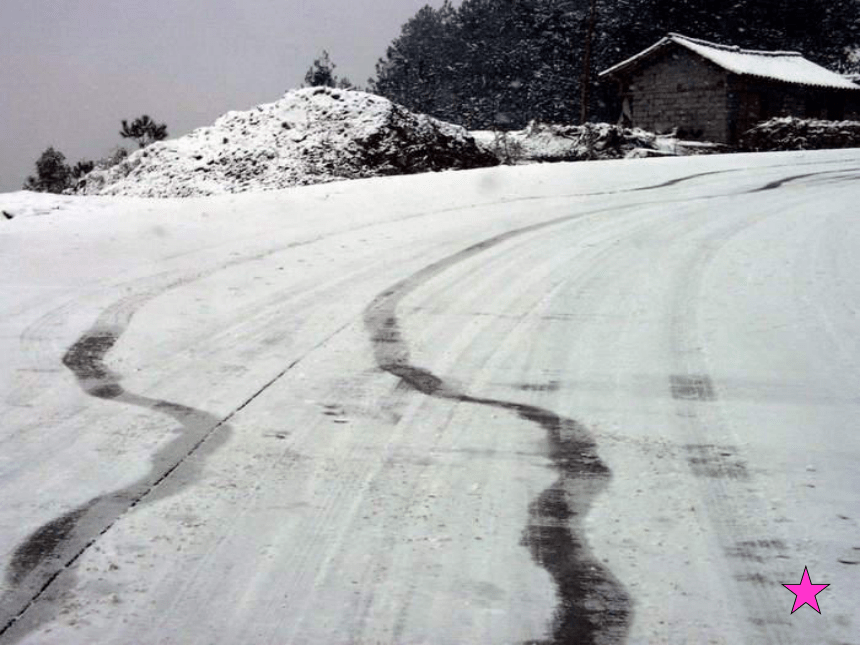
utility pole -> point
(586, 64)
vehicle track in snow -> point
(756, 551)
(592, 605)
(56, 546)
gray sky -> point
(70, 70)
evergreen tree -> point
(321, 73)
(558, 42)
(81, 168)
(487, 64)
(52, 173)
(144, 130)
(415, 71)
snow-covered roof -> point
(789, 67)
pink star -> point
(805, 592)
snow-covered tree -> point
(52, 173)
(81, 168)
(321, 73)
(144, 130)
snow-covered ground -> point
(551, 403)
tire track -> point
(753, 546)
(787, 180)
(56, 546)
(593, 606)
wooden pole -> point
(586, 64)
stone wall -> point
(680, 90)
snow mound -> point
(548, 142)
(791, 133)
(310, 136)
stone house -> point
(716, 92)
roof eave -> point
(785, 82)
(634, 60)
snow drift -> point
(791, 133)
(550, 142)
(309, 136)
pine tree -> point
(144, 130)
(558, 41)
(417, 69)
(52, 173)
(82, 168)
(321, 73)
(486, 64)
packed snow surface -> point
(607, 402)
(310, 136)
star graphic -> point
(805, 592)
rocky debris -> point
(791, 133)
(310, 136)
(548, 142)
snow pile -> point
(310, 136)
(546, 142)
(791, 133)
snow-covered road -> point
(578, 403)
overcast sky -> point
(70, 70)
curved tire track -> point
(593, 606)
(56, 546)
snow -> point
(330, 502)
(790, 67)
(310, 136)
(28, 204)
(792, 133)
(548, 142)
